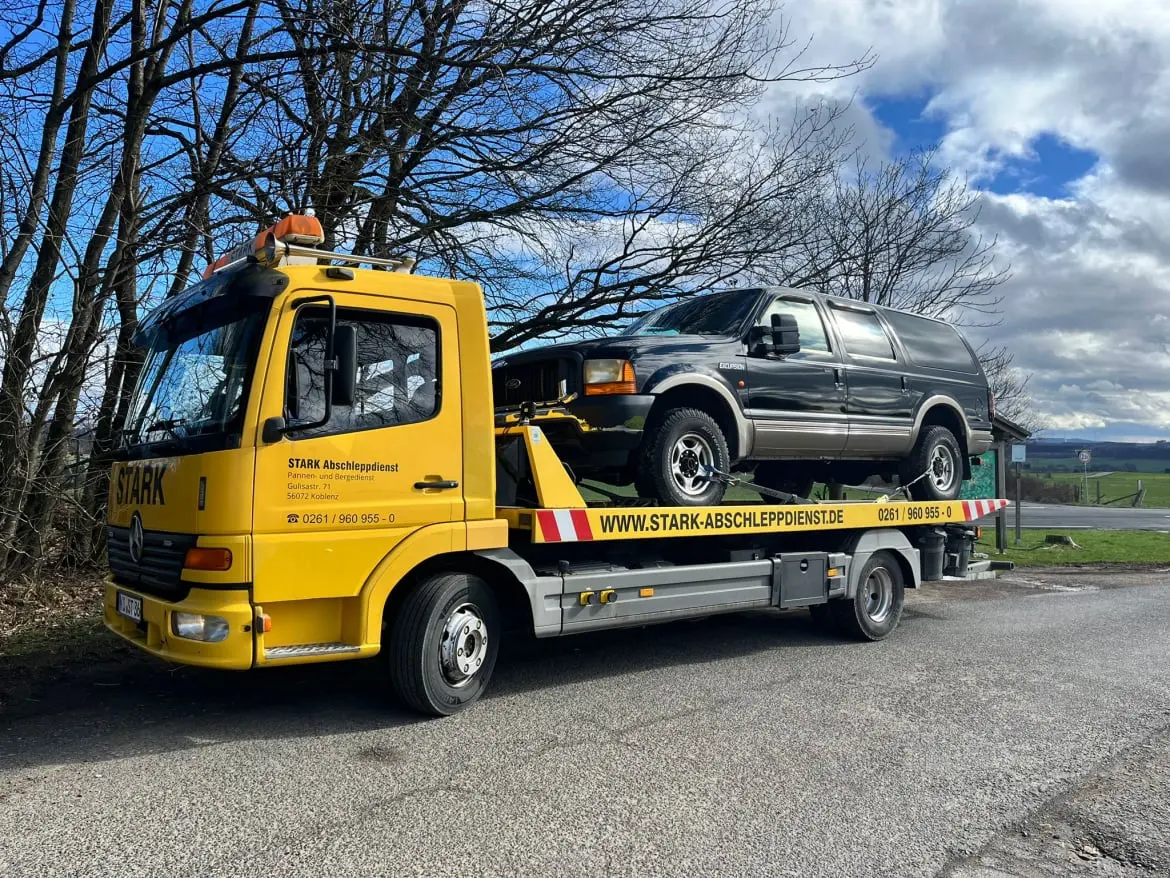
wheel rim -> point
(942, 468)
(463, 645)
(879, 595)
(687, 458)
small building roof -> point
(1005, 429)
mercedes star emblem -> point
(137, 538)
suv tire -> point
(938, 452)
(673, 452)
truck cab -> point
(251, 474)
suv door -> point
(797, 402)
(878, 400)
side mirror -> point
(760, 341)
(344, 376)
(785, 335)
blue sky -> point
(1058, 111)
(1048, 169)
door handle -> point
(905, 389)
(441, 484)
(837, 378)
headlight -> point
(196, 626)
(609, 376)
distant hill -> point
(1060, 455)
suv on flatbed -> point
(795, 385)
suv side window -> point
(398, 371)
(863, 334)
(931, 343)
(813, 339)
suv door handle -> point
(442, 484)
(837, 377)
(905, 389)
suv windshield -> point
(194, 381)
(713, 314)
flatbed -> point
(379, 505)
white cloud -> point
(1088, 308)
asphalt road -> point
(745, 745)
(1038, 515)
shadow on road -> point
(135, 705)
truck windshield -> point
(194, 381)
(713, 314)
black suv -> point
(796, 385)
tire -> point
(672, 454)
(873, 613)
(780, 477)
(423, 674)
(937, 450)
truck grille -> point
(161, 567)
(541, 381)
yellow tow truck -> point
(313, 470)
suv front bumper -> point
(155, 634)
(612, 430)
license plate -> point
(129, 606)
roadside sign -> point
(1019, 453)
(1084, 456)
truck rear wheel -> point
(443, 643)
(674, 454)
(874, 611)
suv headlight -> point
(609, 376)
(196, 626)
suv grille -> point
(540, 381)
(161, 567)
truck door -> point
(797, 402)
(333, 500)
(878, 403)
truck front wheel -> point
(875, 609)
(443, 643)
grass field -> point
(1121, 484)
(1097, 547)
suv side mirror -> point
(785, 335)
(344, 375)
(760, 341)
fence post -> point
(1098, 492)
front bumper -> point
(154, 633)
(613, 429)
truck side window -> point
(813, 339)
(398, 371)
(863, 334)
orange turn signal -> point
(208, 559)
(626, 384)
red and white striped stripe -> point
(564, 525)
(976, 509)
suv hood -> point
(625, 347)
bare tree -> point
(904, 235)
(508, 140)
